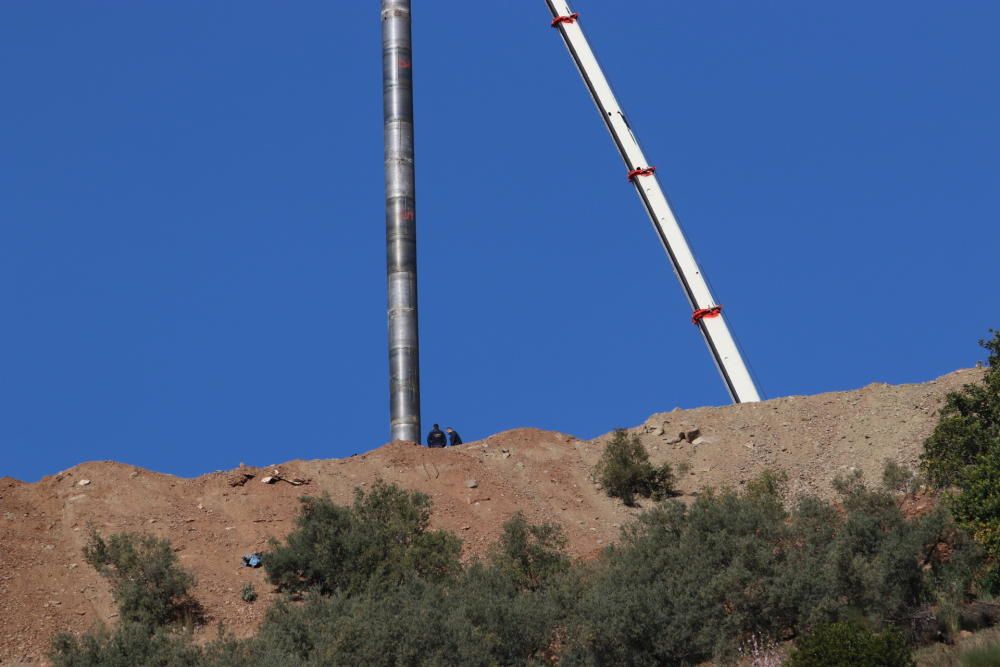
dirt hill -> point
(212, 520)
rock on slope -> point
(45, 586)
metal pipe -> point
(400, 221)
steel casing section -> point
(400, 222)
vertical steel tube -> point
(400, 219)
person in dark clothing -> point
(435, 438)
(453, 437)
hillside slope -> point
(212, 520)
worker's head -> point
(437, 427)
(449, 429)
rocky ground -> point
(212, 520)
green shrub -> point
(381, 540)
(987, 656)
(768, 484)
(148, 585)
(963, 452)
(969, 426)
(248, 594)
(898, 478)
(129, 645)
(977, 507)
(473, 619)
(686, 584)
(501, 611)
(625, 472)
(529, 556)
(850, 645)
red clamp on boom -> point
(571, 18)
(702, 313)
(648, 171)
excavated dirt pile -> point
(45, 586)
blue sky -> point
(192, 226)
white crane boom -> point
(707, 313)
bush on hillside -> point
(625, 472)
(383, 539)
(969, 426)
(963, 452)
(983, 656)
(498, 611)
(892, 567)
(148, 585)
(129, 645)
(977, 508)
(685, 584)
(132, 645)
(529, 555)
(851, 645)
(473, 619)
(897, 478)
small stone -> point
(83, 482)
(471, 483)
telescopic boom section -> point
(707, 313)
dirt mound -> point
(214, 519)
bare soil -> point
(46, 587)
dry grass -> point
(981, 649)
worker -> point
(453, 437)
(435, 438)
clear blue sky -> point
(192, 227)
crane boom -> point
(707, 313)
